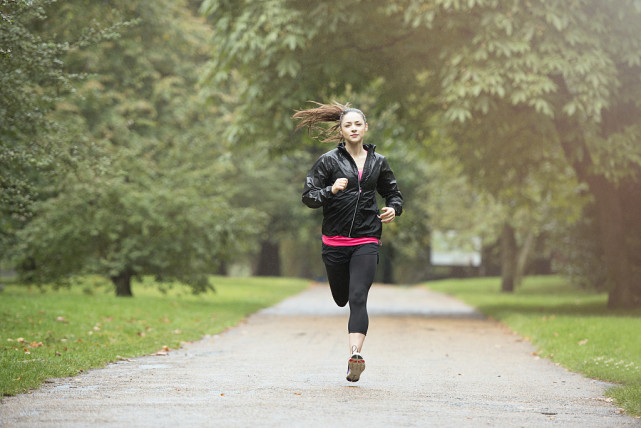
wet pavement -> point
(431, 361)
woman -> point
(344, 182)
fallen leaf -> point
(62, 319)
(21, 340)
(35, 344)
(58, 354)
(166, 348)
(222, 394)
(18, 378)
(582, 342)
(26, 351)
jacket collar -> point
(371, 148)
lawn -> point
(47, 333)
(568, 325)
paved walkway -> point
(431, 361)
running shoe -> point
(355, 367)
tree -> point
(126, 226)
(575, 66)
(152, 202)
(33, 79)
(570, 69)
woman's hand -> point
(387, 214)
(339, 184)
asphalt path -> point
(431, 362)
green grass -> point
(568, 325)
(47, 333)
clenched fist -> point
(339, 184)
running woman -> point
(344, 182)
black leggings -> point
(350, 271)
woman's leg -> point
(336, 260)
(356, 342)
(338, 277)
(362, 269)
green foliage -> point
(570, 326)
(31, 77)
(274, 57)
(571, 59)
(515, 93)
(50, 334)
(150, 200)
(136, 224)
(33, 80)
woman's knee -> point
(341, 302)
(358, 298)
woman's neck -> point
(354, 149)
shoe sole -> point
(355, 366)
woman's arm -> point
(388, 189)
(318, 188)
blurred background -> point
(155, 138)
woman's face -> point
(353, 128)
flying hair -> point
(324, 113)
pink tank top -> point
(344, 241)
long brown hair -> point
(324, 113)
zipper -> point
(358, 198)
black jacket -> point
(351, 212)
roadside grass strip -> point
(47, 333)
(571, 326)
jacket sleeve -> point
(388, 189)
(318, 189)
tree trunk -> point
(610, 214)
(268, 259)
(508, 258)
(612, 232)
(223, 268)
(122, 282)
(523, 257)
